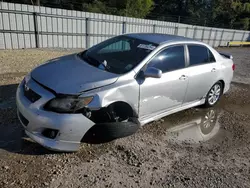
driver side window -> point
(169, 59)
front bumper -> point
(71, 127)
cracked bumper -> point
(71, 127)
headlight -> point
(67, 104)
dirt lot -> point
(181, 150)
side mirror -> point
(153, 72)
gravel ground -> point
(177, 151)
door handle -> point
(183, 77)
(213, 70)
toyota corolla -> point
(117, 85)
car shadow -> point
(12, 136)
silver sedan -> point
(114, 87)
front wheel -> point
(214, 94)
(106, 132)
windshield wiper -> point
(90, 60)
(103, 65)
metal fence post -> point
(221, 37)
(186, 31)
(176, 30)
(36, 32)
(87, 32)
(194, 33)
(154, 28)
(123, 27)
(215, 37)
(233, 36)
(243, 36)
(202, 34)
(210, 33)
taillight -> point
(233, 67)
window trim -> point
(212, 55)
(165, 48)
(188, 54)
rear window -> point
(200, 55)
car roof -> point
(158, 38)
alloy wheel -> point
(214, 94)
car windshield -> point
(119, 54)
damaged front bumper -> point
(68, 128)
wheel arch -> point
(113, 110)
(125, 106)
(223, 84)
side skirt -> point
(155, 116)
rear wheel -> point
(214, 94)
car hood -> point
(71, 75)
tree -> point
(242, 11)
(96, 6)
(232, 13)
(137, 8)
(132, 8)
(215, 13)
(189, 10)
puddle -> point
(190, 126)
(199, 127)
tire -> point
(106, 132)
(215, 94)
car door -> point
(202, 72)
(161, 94)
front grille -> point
(23, 119)
(30, 94)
